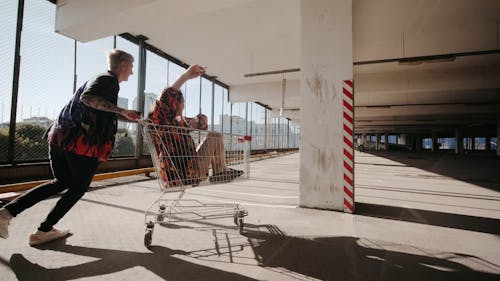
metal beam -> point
(141, 86)
(15, 83)
(432, 58)
(272, 72)
(166, 56)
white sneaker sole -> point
(43, 241)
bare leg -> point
(212, 152)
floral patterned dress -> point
(181, 167)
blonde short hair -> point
(115, 57)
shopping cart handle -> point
(244, 138)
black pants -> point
(72, 172)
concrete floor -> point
(418, 218)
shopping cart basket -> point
(185, 157)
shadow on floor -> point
(480, 169)
(349, 258)
(292, 258)
(160, 261)
(479, 224)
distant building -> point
(123, 103)
(238, 124)
(40, 121)
(149, 99)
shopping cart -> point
(185, 157)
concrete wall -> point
(408, 28)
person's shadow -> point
(323, 258)
(160, 262)
(351, 258)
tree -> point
(4, 143)
(124, 145)
(29, 144)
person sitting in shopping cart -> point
(194, 166)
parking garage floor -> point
(419, 217)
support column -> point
(141, 86)
(418, 142)
(434, 142)
(326, 61)
(15, 84)
(473, 143)
(386, 136)
(377, 147)
(411, 142)
(402, 139)
(363, 142)
(498, 139)
(487, 144)
(459, 141)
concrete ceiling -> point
(237, 37)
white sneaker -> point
(5, 218)
(40, 237)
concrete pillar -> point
(386, 139)
(498, 138)
(410, 140)
(377, 147)
(402, 139)
(473, 143)
(459, 141)
(326, 60)
(418, 142)
(364, 141)
(487, 144)
(434, 142)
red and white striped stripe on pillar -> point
(348, 105)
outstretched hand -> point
(194, 71)
(131, 115)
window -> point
(269, 130)
(218, 102)
(45, 79)
(127, 132)
(174, 72)
(91, 59)
(226, 112)
(192, 97)
(156, 79)
(446, 143)
(294, 135)
(239, 119)
(258, 126)
(206, 101)
(8, 17)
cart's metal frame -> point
(166, 148)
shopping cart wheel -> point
(159, 217)
(240, 225)
(148, 236)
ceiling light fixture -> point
(428, 59)
(272, 72)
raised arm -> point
(193, 71)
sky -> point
(47, 63)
